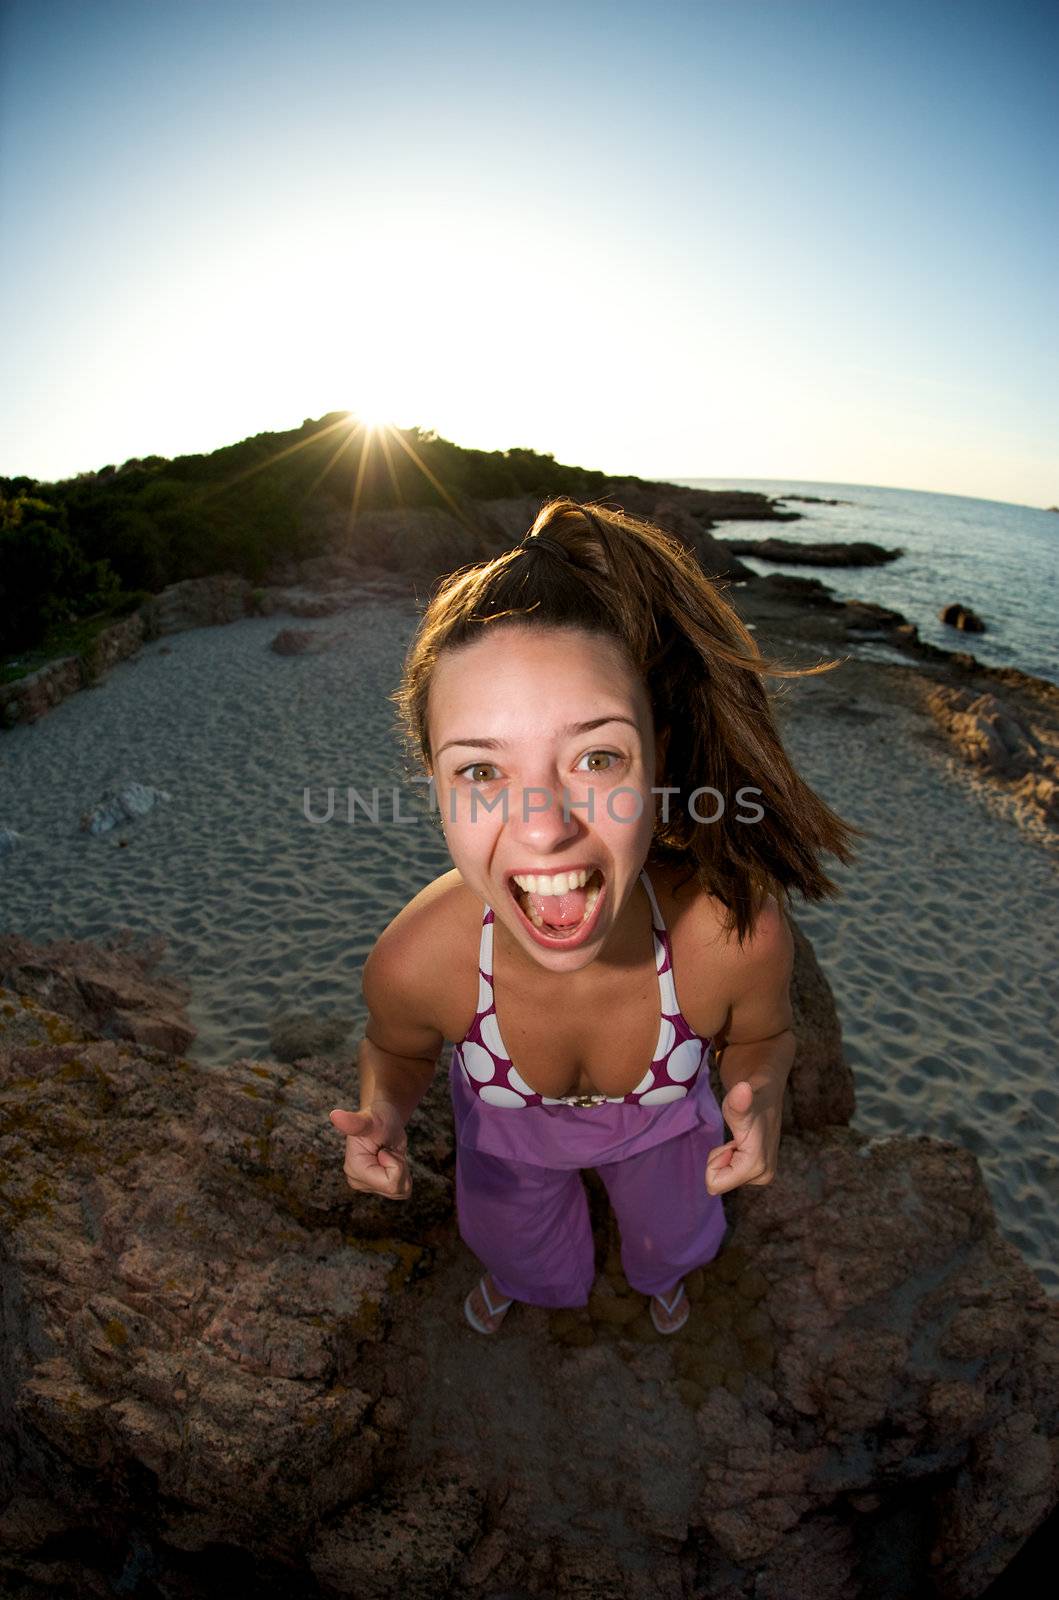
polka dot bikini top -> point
(486, 1066)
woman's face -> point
(543, 760)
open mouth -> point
(557, 906)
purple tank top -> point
(680, 1053)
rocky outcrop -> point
(789, 552)
(716, 556)
(997, 742)
(216, 1355)
(107, 989)
(985, 731)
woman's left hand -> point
(755, 1119)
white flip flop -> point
(670, 1306)
(480, 1327)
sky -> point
(775, 239)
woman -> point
(624, 824)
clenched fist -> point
(376, 1151)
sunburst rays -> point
(374, 435)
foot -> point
(670, 1312)
(478, 1306)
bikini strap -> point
(485, 943)
(656, 910)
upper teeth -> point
(558, 883)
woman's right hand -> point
(376, 1150)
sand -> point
(941, 952)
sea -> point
(1001, 560)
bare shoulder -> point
(699, 918)
(406, 969)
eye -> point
(476, 766)
(610, 756)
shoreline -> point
(339, 579)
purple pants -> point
(522, 1208)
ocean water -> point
(1001, 560)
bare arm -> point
(757, 1044)
(757, 1053)
(396, 1058)
(398, 1055)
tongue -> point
(560, 910)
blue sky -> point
(757, 238)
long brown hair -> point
(631, 581)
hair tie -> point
(541, 541)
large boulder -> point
(961, 617)
(198, 603)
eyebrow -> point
(571, 728)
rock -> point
(424, 540)
(962, 617)
(819, 1091)
(131, 800)
(716, 556)
(506, 521)
(110, 990)
(999, 744)
(172, 1330)
(298, 1034)
(113, 644)
(409, 1543)
(791, 552)
(302, 602)
(811, 591)
(1038, 794)
(299, 642)
(197, 603)
(207, 1346)
(985, 731)
(865, 616)
(30, 698)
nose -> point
(536, 819)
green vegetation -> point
(75, 554)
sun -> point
(371, 420)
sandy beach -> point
(940, 953)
